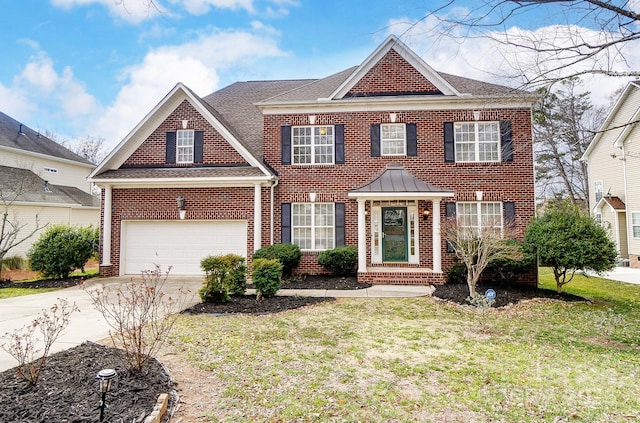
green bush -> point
(289, 255)
(340, 260)
(224, 275)
(61, 249)
(14, 263)
(457, 274)
(267, 276)
(505, 271)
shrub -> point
(288, 255)
(505, 271)
(457, 274)
(224, 275)
(267, 276)
(340, 260)
(61, 249)
(14, 263)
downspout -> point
(627, 219)
(273, 185)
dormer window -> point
(184, 146)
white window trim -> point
(313, 145)
(313, 225)
(634, 225)
(476, 143)
(382, 140)
(412, 225)
(598, 187)
(478, 205)
(178, 146)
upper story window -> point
(184, 146)
(313, 225)
(480, 215)
(312, 144)
(598, 188)
(477, 141)
(393, 139)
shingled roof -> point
(22, 185)
(15, 135)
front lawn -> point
(423, 360)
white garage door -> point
(181, 244)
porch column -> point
(436, 236)
(106, 228)
(257, 217)
(362, 238)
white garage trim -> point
(180, 244)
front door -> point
(394, 234)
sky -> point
(78, 68)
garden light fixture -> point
(105, 376)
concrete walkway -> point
(88, 323)
(624, 274)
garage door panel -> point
(180, 244)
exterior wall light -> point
(425, 214)
(182, 206)
(105, 376)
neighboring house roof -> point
(613, 120)
(15, 135)
(396, 179)
(614, 202)
(23, 186)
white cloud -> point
(202, 7)
(198, 64)
(133, 11)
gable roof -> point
(156, 116)
(613, 201)
(17, 136)
(614, 119)
(31, 189)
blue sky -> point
(96, 67)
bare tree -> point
(13, 232)
(584, 37)
(565, 121)
(479, 246)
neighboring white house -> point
(613, 159)
(39, 177)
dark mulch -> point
(68, 390)
(46, 283)
(458, 293)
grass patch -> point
(419, 359)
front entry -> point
(394, 234)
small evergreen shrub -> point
(61, 249)
(505, 271)
(341, 260)
(267, 276)
(457, 274)
(224, 276)
(289, 255)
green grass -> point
(18, 292)
(419, 359)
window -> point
(312, 144)
(635, 224)
(313, 225)
(393, 139)
(598, 188)
(184, 146)
(480, 215)
(477, 141)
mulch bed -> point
(46, 283)
(68, 390)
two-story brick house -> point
(375, 156)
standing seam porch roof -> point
(396, 179)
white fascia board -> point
(46, 157)
(378, 104)
(399, 195)
(45, 204)
(248, 181)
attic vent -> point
(50, 170)
(46, 186)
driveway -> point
(87, 324)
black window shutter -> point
(450, 212)
(198, 142)
(412, 139)
(339, 224)
(449, 143)
(375, 140)
(506, 142)
(170, 150)
(285, 137)
(286, 223)
(509, 212)
(339, 144)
